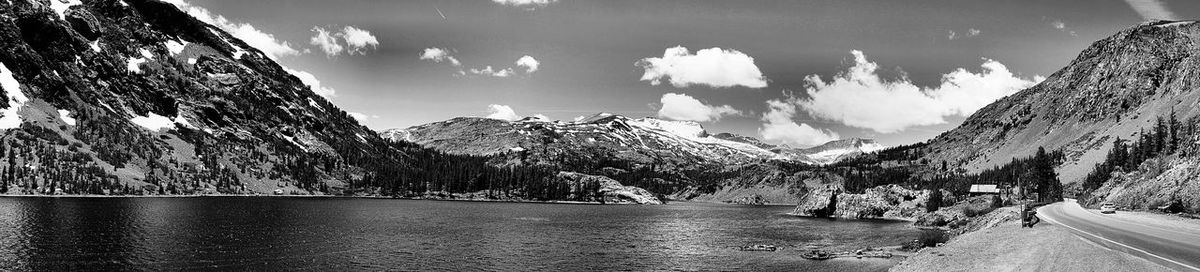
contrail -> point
(440, 12)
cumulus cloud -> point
(525, 3)
(439, 55)
(685, 108)
(1152, 9)
(858, 97)
(350, 40)
(263, 41)
(502, 112)
(530, 64)
(714, 67)
(311, 81)
(780, 128)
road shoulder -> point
(1008, 247)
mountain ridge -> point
(1114, 88)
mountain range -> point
(138, 97)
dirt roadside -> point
(1008, 247)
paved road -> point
(1169, 247)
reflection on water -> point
(275, 233)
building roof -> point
(984, 188)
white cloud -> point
(502, 112)
(525, 3)
(1060, 25)
(358, 116)
(713, 67)
(350, 40)
(1152, 9)
(247, 33)
(973, 32)
(326, 41)
(358, 39)
(439, 55)
(685, 108)
(859, 98)
(780, 127)
(489, 71)
(312, 82)
(530, 64)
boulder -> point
(84, 23)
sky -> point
(790, 72)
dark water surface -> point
(327, 234)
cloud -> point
(714, 67)
(358, 39)
(1060, 25)
(970, 33)
(858, 97)
(506, 72)
(502, 112)
(1152, 9)
(350, 40)
(311, 81)
(247, 33)
(530, 64)
(530, 4)
(326, 41)
(439, 55)
(360, 117)
(685, 108)
(780, 127)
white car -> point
(1108, 208)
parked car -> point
(1108, 208)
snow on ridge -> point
(61, 8)
(175, 46)
(134, 65)
(95, 46)
(9, 117)
(65, 115)
(155, 122)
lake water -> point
(331, 234)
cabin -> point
(983, 189)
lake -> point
(284, 233)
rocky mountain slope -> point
(1115, 88)
(135, 96)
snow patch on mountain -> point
(134, 65)
(9, 118)
(175, 46)
(61, 7)
(65, 115)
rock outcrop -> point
(891, 202)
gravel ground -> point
(1008, 247)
